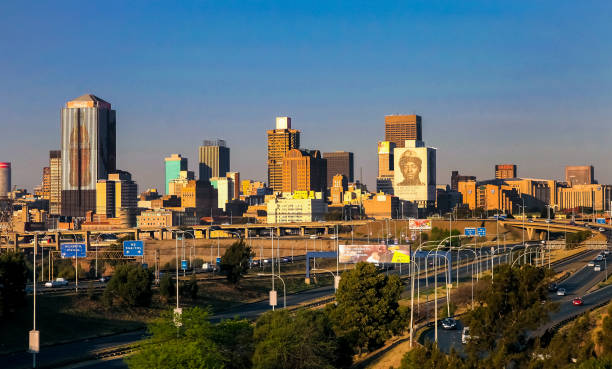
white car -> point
(602, 229)
(591, 263)
(313, 236)
(57, 283)
(597, 268)
(333, 237)
(599, 258)
(561, 292)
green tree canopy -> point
(367, 311)
(516, 302)
(300, 341)
(13, 278)
(130, 285)
(235, 261)
(189, 346)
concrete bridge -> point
(531, 227)
(53, 238)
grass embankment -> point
(70, 317)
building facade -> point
(88, 145)
(55, 195)
(399, 128)
(296, 210)
(5, 179)
(46, 183)
(503, 171)
(214, 159)
(280, 141)
(415, 174)
(304, 170)
(116, 193)
(339, 162)
(384, 179)
(580, 175)
(456, 178)
(173, 166)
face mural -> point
(410, 167)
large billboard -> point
(419, 224)
(415, 174)
(373, 254)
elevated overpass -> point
(531, 227)
(17, 240)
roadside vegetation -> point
(367, 313)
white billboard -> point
(415, 174)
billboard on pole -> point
(373, 254)
(419, 224)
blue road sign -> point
(218, 261)
(184, 264)
(482, 231)
(601, 220)
(133, 248)
(72, 250)
(469, 231)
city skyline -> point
(533, 107)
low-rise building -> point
(283, 210)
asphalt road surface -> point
(576, 286)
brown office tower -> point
(46, 183)
(304, 170)
(503, 171)
(280, 140)
(339, 162)
(399, 128)
(579, 175)
(88, 151)
(55, 190)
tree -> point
(189, 288)
(235, 261)
(189, 346)
(130, 284)
(604, 336)
(234, 338)
(367, 311)
(166, 287)
(430, 357)
(515, 303)
(13, 278)
(303, 340)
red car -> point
(577, 301)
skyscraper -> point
(116, 193)
(579, 175)
(280, 140)
(55, 191)
(339, 162)
(214, 159)
(399, 128)
(304, 170)
(88, 151)
(174, 164)
(384, 180)
(46, 183)
(503, 171)
(5, 179)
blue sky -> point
(525, 82)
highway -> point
(576, 285)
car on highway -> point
(597, 268)
(333, 237)
(591, 263)
(553, 287)
(548, 221)
(602, 229)
(577, 301)
(449, 323)
(599, 258)
(313, 236)
(104, 279)
(56, 283)
(561, 292)
(606, 252)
